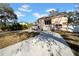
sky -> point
(30, 12)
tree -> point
(71, 17)
(63, 13)
(7, 15)
(53, 12)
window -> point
(58, 26)
(47, 22)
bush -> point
(24, 27)
(16, 26)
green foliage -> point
(16, 26)
(29, 25)
(4, 18)
(24, 27)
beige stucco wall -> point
(60, 20)
(56, 20)
(41, 23)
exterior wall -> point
(64, 22)
(60, 20)
(47, 27)
(41, 23)
(57, 20)
(43, 26)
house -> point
(57, 23)
(44, 23)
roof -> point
(44, 18)
(58, 16)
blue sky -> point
(30, 12)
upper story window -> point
(47, 22)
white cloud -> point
(38, 15)
(48, 10)
(25, 8)
(19, 14)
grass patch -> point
(14, 37)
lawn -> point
(10, 38)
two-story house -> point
(57, 23)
